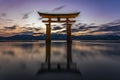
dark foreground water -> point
(88, 61)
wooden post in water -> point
(48, 43)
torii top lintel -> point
(65, 15)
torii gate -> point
(68, 21)
(59, 18)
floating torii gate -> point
(58, 18)
(62, 18)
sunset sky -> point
(18, 16)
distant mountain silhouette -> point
(61, 37)
(96, 37)
(21, 37)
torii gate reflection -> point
(47, 66)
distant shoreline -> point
(107, 41)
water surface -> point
(94, 60)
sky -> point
(22, 14)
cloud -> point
(81, 29)
(28, 28)
(11, 27)
(33, 24)
(26, 15)
(39, 18)
(3, 14)
(27, 24)
(57, 28)
(15, 30)
(9, 20)
(59, 8)
(64, 24)
(92, 24)
(113, 23)
(86, 27)
(110, 28)
(73, 30)
(31, 28)
(37, 29)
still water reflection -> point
(93, 60)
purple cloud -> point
(57, 28)
(39, 18)
(58, 8)
(26, 15)
(11, 27)
(3, 14)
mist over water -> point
(94, 60)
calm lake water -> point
(92, 60)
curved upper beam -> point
(65, 15)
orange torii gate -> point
(53, 18)
(67, 19)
